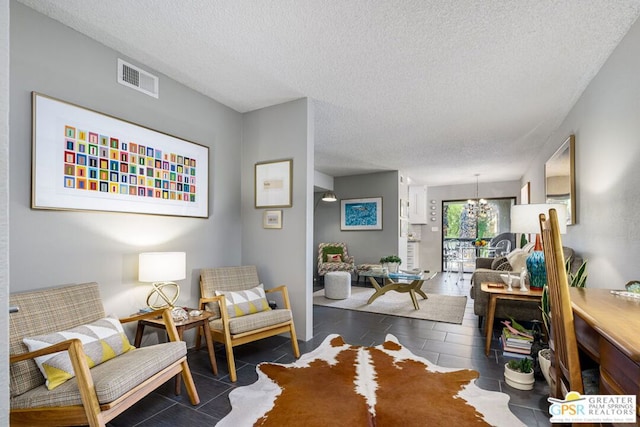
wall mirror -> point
(559, 177)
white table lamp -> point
(161, 268)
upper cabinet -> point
(417, 204)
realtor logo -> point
(593, 409)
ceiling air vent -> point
(136, 78)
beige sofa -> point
(519, 310)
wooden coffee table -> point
(497, 292)
(412, 286)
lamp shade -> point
(329, 196)
(162, 266)
(525, 218)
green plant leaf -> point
(517, 326)
(524, 365)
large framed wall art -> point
(85, 160)
(361, 214)
(273, 187)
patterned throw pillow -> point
(102, 340)
(331, 250)
(241, 303)
(334, 258)
(505, 266)
(498, 264)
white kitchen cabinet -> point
(417, 204)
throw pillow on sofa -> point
(517, 259)
(501, 264)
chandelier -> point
(477, 208)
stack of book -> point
(515, 345)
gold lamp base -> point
(163, 295)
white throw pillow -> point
(518, 259)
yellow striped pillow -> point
(102, 340)
(241, 303)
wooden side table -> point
(496, 293)
(201, 321)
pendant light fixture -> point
(477, 208)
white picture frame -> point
(361, 214)
(86, 160)
(273, 187)
(272, 219)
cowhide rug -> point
(338, 384)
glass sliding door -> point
(458, 223)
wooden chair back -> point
(568, 376)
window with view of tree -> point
(459, 224)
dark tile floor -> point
(457, 346)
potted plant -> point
(392, 262)
(519, 373)
(577, 280)
(544, 360)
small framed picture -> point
(273, 187)
(272, 219)
(404, 208)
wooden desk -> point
(502, 293)
(608, 331)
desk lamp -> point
(524, 219)
(161, 268)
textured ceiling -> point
(440, 90)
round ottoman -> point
(337, 285)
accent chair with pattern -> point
(54, 339)
(334, 257)
(241, 310)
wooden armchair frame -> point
(91, 412)
(231, 340)
(566, 363)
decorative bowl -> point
(515, 280)
(633, 286)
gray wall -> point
(4, 211)
(49, 248)
(365, 246)
(605, 122)
(431, 243)
(283, 256)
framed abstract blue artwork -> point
(361, 214)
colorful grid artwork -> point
(103, 163)
(86, 160)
